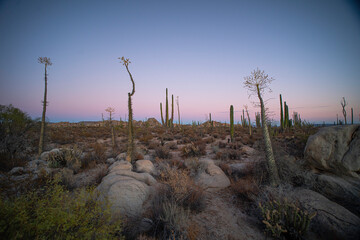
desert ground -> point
(185, 182)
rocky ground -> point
(193, 183)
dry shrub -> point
(182, 189)
(153, 144)
(172, 145)
(162, 152)
(88, 161)
(226, 168)
(193, 150)
(99, 152)
(146, 138)
(245, 189)
(184, 140)
(222, 144)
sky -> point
(200, 50)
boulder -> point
(35, 165)
(45, 155)
(344, 191)
(121, 156)
(145, 166)
(247, 150)
(332, 221)
(241, 169)
(212, 178)
(17, 171)
(110, 160)
(126, 190)
(335, 149)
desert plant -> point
(177, 102)
(232, 123)
(352, 116)
(281, 114)
(111, 110)
(248, 116)
(343, 105)
(55, 213)
(193, 150)
(67, 157)
(131, 146)
(15, 126)
(257, 83)
(162, 152)
(168, 122)
(257, 120)
(284, 218)
(46, 61)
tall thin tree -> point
(46, 61)
(256, 84)
(111, 110)
(130, 156)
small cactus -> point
(232, 123)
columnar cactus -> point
(281, 114)
(168, 122)
(161, 112)
(286, 121)
(352, 116)
(167, 109)
(172, 111)
(232, 123)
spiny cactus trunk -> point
(281, 114)
(113, 136)
(43, 118)
(130, 150)
(232, 123)
(167, 109)
(161, 112)
(352, 116)
(273, 172)
(247, 113)
(172, 111)
(177, 102)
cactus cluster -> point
(257, 120)
(284, 218)
(168, 121)
(232, 123)
(285, 122)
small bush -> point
(99, 152)
(70, 158)
(282, 218)
(193, 150)
(245, 189)
(162, 152)
(55, 213)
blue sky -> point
(200, 50)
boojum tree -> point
(46, 61)
(257, 83)
(131, 147)
(111, 110)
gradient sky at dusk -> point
(200, 50)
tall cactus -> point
(130, 156)
(177, 102)
(352, 116)
(232, 123)
(168, 122)
(167, 109)
(46, 61)
(286, 120)
(161, 112)
(172, 111)
(281, 114)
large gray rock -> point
(45, 155)
(344, 191)
(335, 149)
(212, 178)
(332, 221)
(126, 190)
(145, 166)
